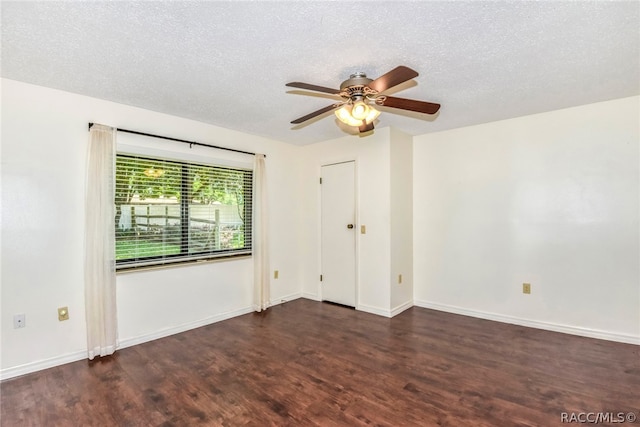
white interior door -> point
(338, 233)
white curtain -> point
(260, 243)
(99, 268)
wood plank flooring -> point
(310, 363)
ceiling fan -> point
(360, 94)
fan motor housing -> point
(357, 79)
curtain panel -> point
(100, 265)
(260, 243)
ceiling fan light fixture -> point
(344, 114)
(372, 115)
(360, 110)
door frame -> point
(356, 186)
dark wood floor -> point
(309, 363)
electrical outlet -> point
(275, 274)
(63, 313)
(19, 321)
(526, 288)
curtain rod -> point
(191, 143)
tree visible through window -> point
(170, 211)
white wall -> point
(44, 137)
(551, 199)
(373, 189)
(401, 175)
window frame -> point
(186, 257)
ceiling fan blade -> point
(411, 105)
(316, 88)
(366, 128)
(315, 113)
(393, 78)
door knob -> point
(350, 226)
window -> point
(169, 211)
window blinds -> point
(174, 211)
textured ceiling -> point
(226, 63)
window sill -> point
(187, 263)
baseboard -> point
(383, 311)
(400, 308)
(40, 365)
(183, 328)
(374, 310)
(555, 327)
(310, 296)
(286, 298)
